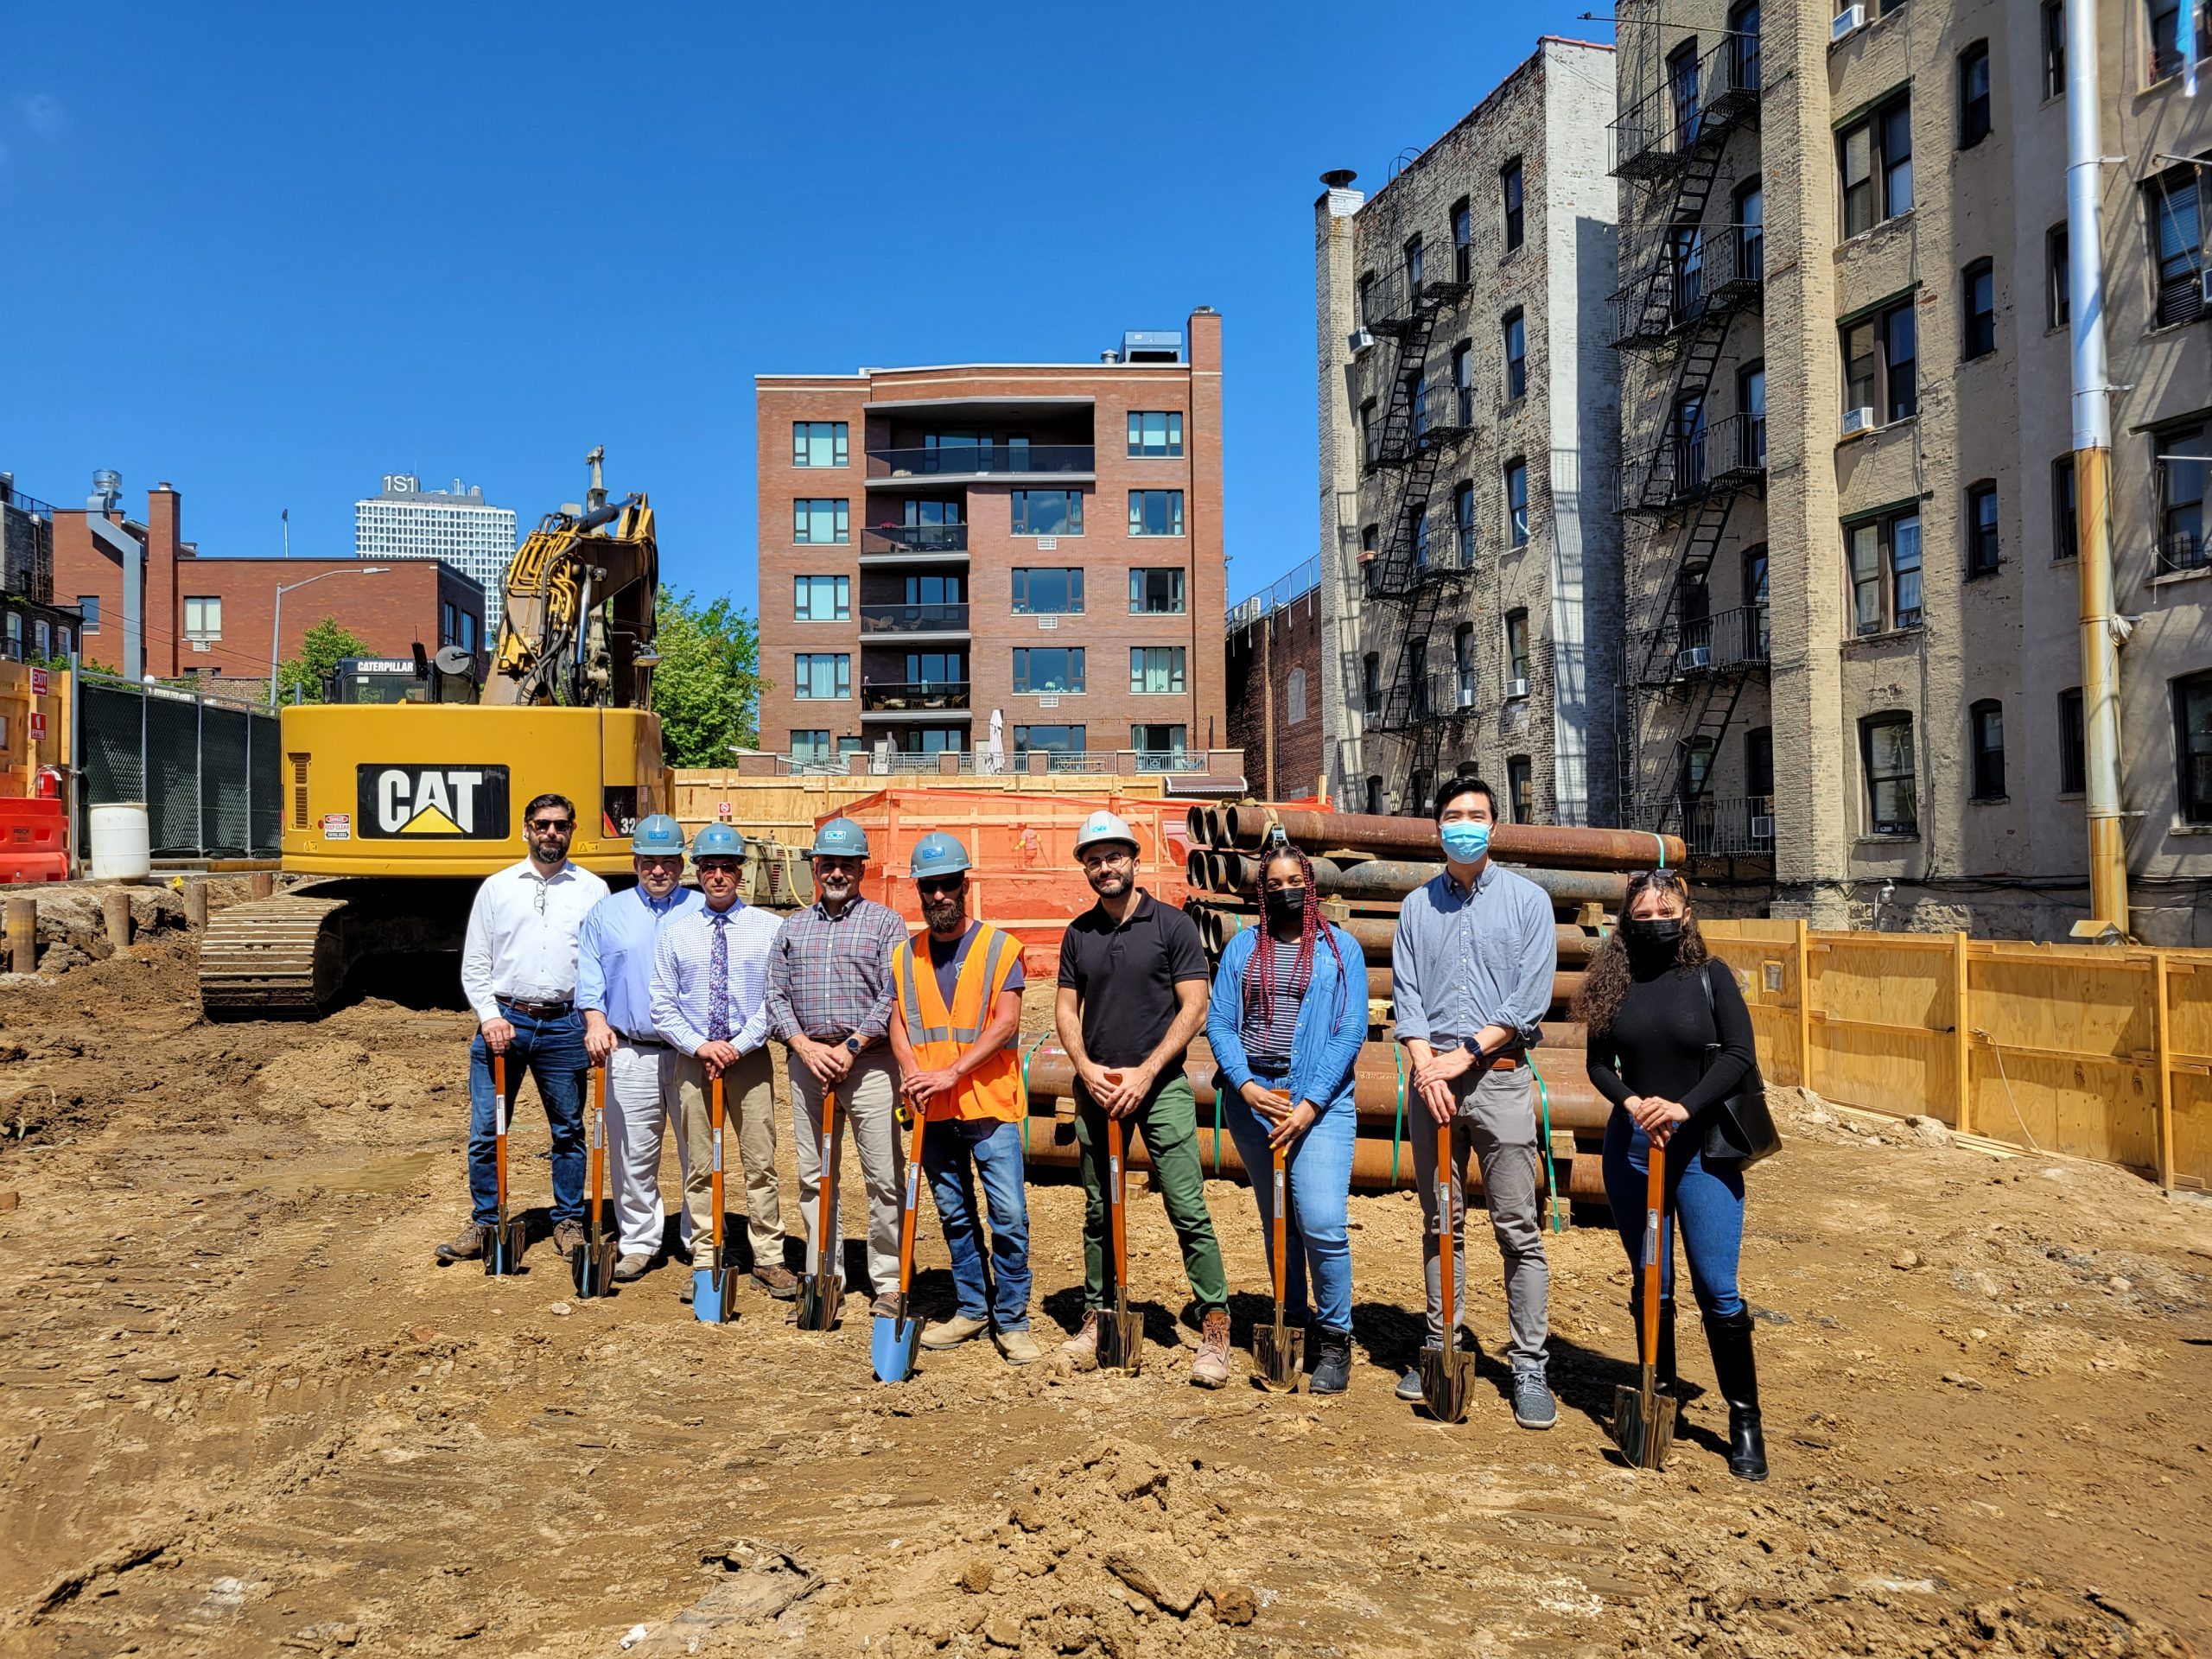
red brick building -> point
(1272, 654)
(1042, 541)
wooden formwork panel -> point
(1766, 957)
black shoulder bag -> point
(1741, 1131)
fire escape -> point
(1685, 669)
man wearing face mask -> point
(1470, 981)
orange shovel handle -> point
(1447, 1233)
(500, 1125)
(714, 1124)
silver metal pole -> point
(276, 632)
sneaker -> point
(1211, 1369)
(1081, 1351)
(779, 1282)
(466, 1245)
(1018, 1347)
(950, 1333)
(1408, 1389)
(1332, 1366)
(632, 1269)
(1533, 1406)
(568, 1236)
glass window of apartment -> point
(467, 631)
(1881, 364)
(1463, 241)
(2172, 202)
(1158, 742)
(2058, 277)
(931, 740)
(1885, 750)
(1419, 784)
(1517, 503)
(1419, 400)
(935, 668)
(1366, 298)
(2181, 466)
(2054, 48)
(822, 599)
(1516, 652)
(821, 673)
(1049, 739)
(1875, 155)
(42, 637)
(1374, 796)
(89, 604)
(1155, 668)
(1510, 194)
(1156, 593)
(1415, 658)
(448, 621)
(1751, 403)
(1755, 581)
(2065, 526)
(1463, 524)
(1370, 435)
(1696, 773)
(1462, 664)
(1369, 562)
(1758, 765)
(820, 521)
(1047, 591)
(1751, 232)
(1463, 380)
(922, 512)
(1155, 433)
(1977, 307)
(1155, 512)
(1982, 553)
(2168, 50)
(2073, 744)
(1516, 357)
(1047, 512)
(1884, 559)
(818, 443)
(1412, 269)
(1371, 682)
(1985, 744)
(1293, 697)
(1686, 257)
(1521, 788)
(2193, 745)
(1048, 668)
(812, 747)
(1682, 86)
(1744, 45)
(1974, 94)
(203, 618)
(936, 590)
(1417, 534)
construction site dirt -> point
(244, 1413)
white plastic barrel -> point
(120, 848)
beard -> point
(942, 915)
(1111, 884)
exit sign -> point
(38, 682)
(38, 724)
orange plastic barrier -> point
(34, 839)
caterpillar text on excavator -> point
(399, 808)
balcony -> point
(1392, 304)
(1730, 642)
(914, 621)
(956, 463)
(1452, 694)
(1446, 552)
(914, 699)
(912, 544)
(1729, 453)
(1737, 827)
(1665, 129)
(2182, 551)
(1718, 270)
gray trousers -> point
(1498, 1120)
(867, 1106)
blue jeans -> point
(1709, 1203)
(997, 1290)
(1317, 1175)
(552, 1051)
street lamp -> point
(277, 619)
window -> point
(1155, 668)
(448, 621)
(1521, 788)
(1463, 524)
(2073, 745)
(13, 652)
(1418, 399)
(469, 631)
(1416, 676)
(1686, 255)
(1694, 776)
(920, 513)
(1885, 750)
(1751, 232)
(1884, 555)
(1047, 512)
(1155, 433)
(203, 618)
(1509, 192)
(2065, 526)
(818, 443)
(1977, 307)
(1744, 45)
(1048, 739)
(1417, 533)
(1370, 436)
(2058, 277)
(2193, 745)
(1517, 503)
(1758, 765)
(1161, 742)
(1755, 579)
(1875, 157)
(1681, 84)
(1412, 270)
(1366, 298)
(1881, 364)
(937, 668)
(812, 747)
(2180, 464)
(2054, 48)
(1048, 668)
(1750, 404)
(1516, 357)
(1374, 796)
(1463, 241)
(1419, 785)
(931, 740)
(1155, 512)
(1517, 651)
(1370, 683)
(819, 521)
(1462, 664)
(1369, 560)
(1295, 696)
(2172, 201)
(821, 673)
(1155, 593)
(1974, 94)
(1463, 380)
(822, 599)
(2168, 50)
(936, 590)
(1985, 741)
(1046, 592)
(89, 605)
(1981, 529)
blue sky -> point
(270, 253)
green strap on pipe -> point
(1398, 1122)
(1661, 841)
(1025, 1113)
(1551, 1180)
(1216, 1121)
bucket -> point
(120, 848)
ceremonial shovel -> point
(1447, 1374)
(1120, 1333)
(1643, 1418)
(822, 1292)
(1278, 1351)
(502, 1250)
(898, 1338)
(710, 1285)
(592, 1265)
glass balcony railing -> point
(973, 460)
(913, 539)
(913, 618)
(914, 696)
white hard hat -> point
(1103, 826)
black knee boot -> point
(1733, 1367)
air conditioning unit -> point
(201, 645)
(1763, 828)
(1516, 688)
(1466, 697)
(1048, 622)
(1361, 342)
(1369, 719)
(1693, 656)
(1848, 21)
(1858, 420)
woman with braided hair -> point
(1288, 1020)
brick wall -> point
(1283, 757)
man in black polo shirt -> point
(1133, 994)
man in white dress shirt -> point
(709, 1001)
(518, 968)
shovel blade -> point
(502, 1250)
(592, 1269)
(820, 1295)
(1279, 1356)
(1121, 1341)
(894, 1346)
(1644, 1440)
(1447, 1381)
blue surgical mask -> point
(1466, 842)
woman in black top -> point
(1669, 1039)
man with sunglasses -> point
(830, 1003)
(614, 974)
(518, 970)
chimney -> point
(164, 546)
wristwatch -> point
(852, 1044)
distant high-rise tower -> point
(405, 521)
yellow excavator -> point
(400, 807)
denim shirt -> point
(1325, 1046)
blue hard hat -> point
(938, 854)
(717, 841)
(839, 838)
(657, 836)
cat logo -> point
(434, 802)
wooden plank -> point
(1804, 1007)
(2165, 1085)
(1961, 1061)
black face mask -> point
(1286, 905)
(1655, 940)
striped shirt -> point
(683, 952)
(829, 976)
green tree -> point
(707, 690)
(327, 644)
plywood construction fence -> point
(2092, 1050)
(787, 809)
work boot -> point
(884, 1307)
(631, 1268)
(779, 1282)
(1211, 1369)
(950, 1333)
(1081, 1351)
(568, 1236)
(1332, 1363)
(1016, 1347)
(466, 1245)
(1730, 1335)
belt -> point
(1506, 1059)
(540, 1010)
(644, 1042)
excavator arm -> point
(579, 608)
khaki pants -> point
(867, 1105)
(749, 1118)
(1498, 1119)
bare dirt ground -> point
(244, 1413)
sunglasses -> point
(940, 886)
(546, 825)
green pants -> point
(1169, 1123)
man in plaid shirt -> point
(829, 1001)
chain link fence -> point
(207, 768)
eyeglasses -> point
(661, 861)
(542, 825)
(940, 886)
(718, 867)
(1106, 860)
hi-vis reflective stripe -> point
(986, 954)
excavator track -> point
(270, 957)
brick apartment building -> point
(33, 627)
(212, 616)
(1846, 319)
(1038, 541)
(1272, 648)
